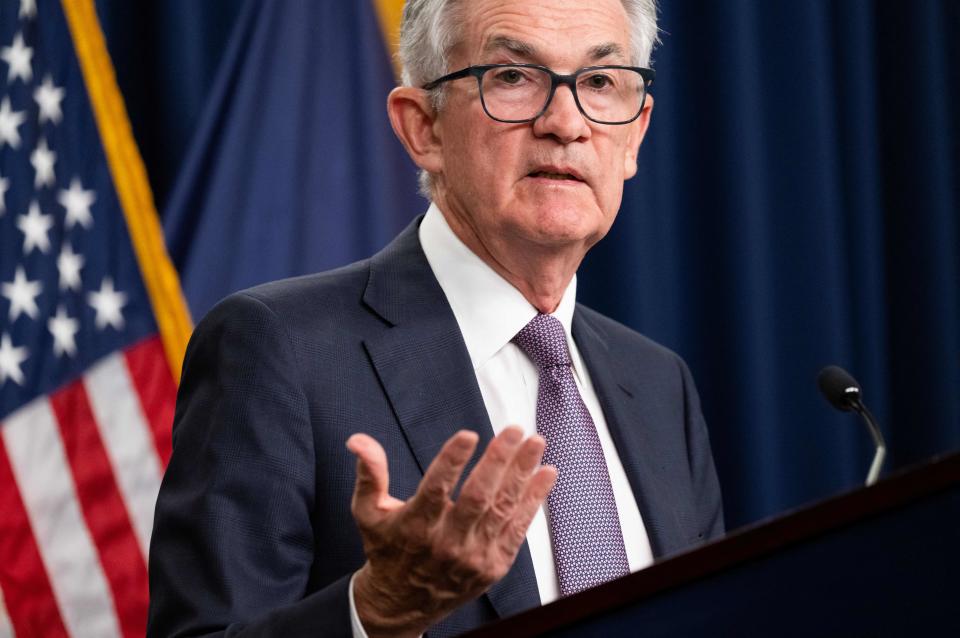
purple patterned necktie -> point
(584, 525)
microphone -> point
(843, 392)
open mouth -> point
(555, 176)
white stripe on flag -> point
(127, 439)
(43, 475)
(6, 629)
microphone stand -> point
(878, 441)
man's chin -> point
(565, 226)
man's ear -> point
(638, 130)
(412, 117)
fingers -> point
(480, 490)
(441, 477)
(535, 492)
(496, 505)
(512, 485)
(537, 489)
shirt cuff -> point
(356, 627)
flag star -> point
(48, 98)
(10, 360)
(22, 295)
(64, 330)
(9, 122)
(28, 9)
(18, 57)
(43, 160)
(77, 202)
(35, 226)
(4, 185)
(69, 265)
(107, 302)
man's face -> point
(502, 179)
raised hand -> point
(429, 555)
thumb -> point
(370, 492)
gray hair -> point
(429, 29)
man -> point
(324, 422)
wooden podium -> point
(879, 561)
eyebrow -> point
(606, 50)
(527, 50)
(517, 47)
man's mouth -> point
(556, 176)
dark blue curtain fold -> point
(166, 56)
(293, 167)
(796, 205)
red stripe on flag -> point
(29, 597)
(103, 508)
(151, 376)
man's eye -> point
(510, 76)
(598, 81)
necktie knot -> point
(544, 341)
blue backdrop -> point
(797, 202)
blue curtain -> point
(798, 206)
(166, 56)
(797, 202)
(292, 166)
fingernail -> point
(352, 442)
(512, 435)
(464, 443)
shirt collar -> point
(489, 310)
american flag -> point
(86, 389)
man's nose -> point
(562, 119)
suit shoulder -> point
(623, 337)
(331, 295)
(312, 289)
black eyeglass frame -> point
(556, 80)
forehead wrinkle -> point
(545, 32)
(527, 50)
(517, 47)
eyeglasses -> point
(517, 93)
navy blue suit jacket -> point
(253, 534)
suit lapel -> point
(623, 404)
(426, 373)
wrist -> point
(381, 613)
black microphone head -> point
(839, 388)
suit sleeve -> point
(233, 543)
(706, 485)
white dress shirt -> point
(490, 311)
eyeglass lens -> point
(521, 93)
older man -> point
(526, 119)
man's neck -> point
(541, 274)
